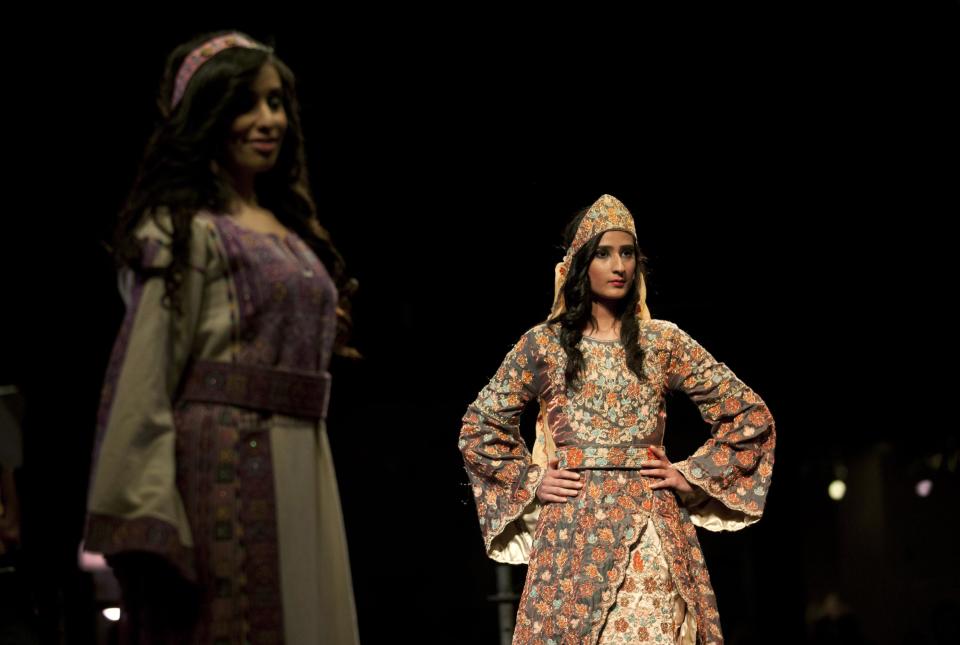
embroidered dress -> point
(212, 449)
(619, 563)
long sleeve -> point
(734, 467)
(133, 503)
(502, 473)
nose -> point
(268, 117)
(618, 264)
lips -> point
(264, 145)
(618, 283)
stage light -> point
(836, 490)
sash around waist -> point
(289, 392)
(604, 457)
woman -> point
(604, 519)
(213, 494)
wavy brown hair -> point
(177, 177)
(578, 311)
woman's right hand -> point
(165, 602)
(558, 485)
(9, 534)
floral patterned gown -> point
(619, 563)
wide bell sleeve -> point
(731, 471)
(503, 475)
(133, 503)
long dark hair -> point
(578, 307)
(177, 178)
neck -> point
(243, 189)
(603, 316)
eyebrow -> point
(610, 246)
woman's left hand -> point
(669, 476)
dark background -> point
(792, 173)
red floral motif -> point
(617, 456)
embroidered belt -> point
(604, 457)
(293, 393)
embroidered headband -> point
(195, 59)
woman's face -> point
(253, 144)
(613, 266)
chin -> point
(260, 168)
